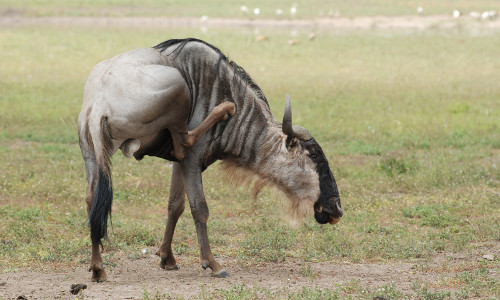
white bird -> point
(279, 12)
(420, 9)
(204, 18)
(293, 10)
(256, 11)
(489, 14)
(456, 13)
(475, 14)
(244, 8)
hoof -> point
(168, 266)
(98, 276)
(98, 273)
(230, 109)
(205, 265)
(221, 274)
(227, 108)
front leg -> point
(191, 172)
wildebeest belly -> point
(159, 145)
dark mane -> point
(239, 72)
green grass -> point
(196, 8)
(409, 122)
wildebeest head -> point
(327, 207)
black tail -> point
(103, 192)
(101, 207)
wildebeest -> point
(184, 101)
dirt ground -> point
(130, 278)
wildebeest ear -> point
(301, 133)
(293, 130)
(291, 142)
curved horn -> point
(287, 118)
(293, 130)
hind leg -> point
(91, 171)
(90, 163)
(96, 266)
(185, 140)
(175, 210)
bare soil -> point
(130, 278)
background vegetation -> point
(410, 122)
(220, 8)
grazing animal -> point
(184, 101)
